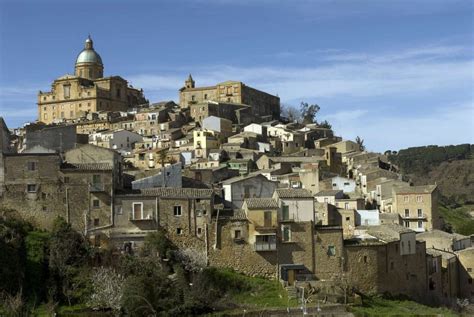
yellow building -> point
(417, 206)
(72, 96)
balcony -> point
(265, 246)
(147, 218)
(288, 218)
(266, 228)
(96, 187)
(419, 216)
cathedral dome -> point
(88, 54)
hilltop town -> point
(226, 177)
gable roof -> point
(174, 192)
(293, 193)
(261, 203)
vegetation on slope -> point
(379, 306)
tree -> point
(67, 253)
(360, 143)
(192, 259)
(325, 124)
(107, 289)
(291, 113)
(308, 112)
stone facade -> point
(233, 92)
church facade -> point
(72, 96)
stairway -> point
(292, 292)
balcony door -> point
(137, 211)
(267, 219)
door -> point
(267, 219)
(291, 277)
(137, 211)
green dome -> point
(88, 54)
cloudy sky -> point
(396, 73)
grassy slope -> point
(377, 306)
(459, 218)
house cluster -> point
(225, 176)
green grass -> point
(256, 291)
(459, 218)
(378, 306)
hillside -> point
(451, 167)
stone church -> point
(72, 96)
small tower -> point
(189, 83)
(88, 63)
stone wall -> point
(327, 264)
(239, 255)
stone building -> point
(72, 96)
(466, 273)
(262, 104)
(386, 258)
(184, 213)
(418, 207)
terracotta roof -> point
(260, 203)
(174, 192)
(293, 193)
(87, 166)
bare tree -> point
(308, 112)
(107, 289)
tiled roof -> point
(239, 214)
(444, 254)
(387, 232)
(174, 192)
(293, 193)
(328, 193)
(87, 166)
(260, 203)
(426, 189)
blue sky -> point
(397, 73)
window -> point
(346, 206)
(419, 199)
(469, 280)
(31, 188)
(348, 218)
(346, 184)
(407, 212)
(420, 213)
(137, 210)
(119, 93)
(177, 210)
(285, 212)
(96, 179)
(179, 231)
(407, 224)
(237, 234)
(406, 199)
(331, 250)
(96, 222)
(62, 114)
(409, 246)
(96, 203)
(286, 233)
(205, 96)
(420, 224)
(67, 91)
(334, 185)
(32, 166)
(192, 98)
(199, 231)
(365, 258)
